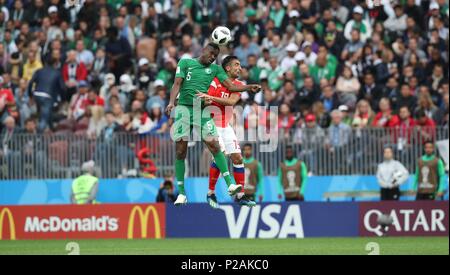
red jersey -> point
(222, 118)
(10, 102)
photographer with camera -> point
(167, 192)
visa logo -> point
(264, 221)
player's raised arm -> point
(254, 88)
(231, 101)
(173, 94)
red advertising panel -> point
(114, 221)
(426, 218)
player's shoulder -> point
(186, 61)
(216, 83)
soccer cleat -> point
(245, 201)
(233, 189)
(212, 201)
(181, 200)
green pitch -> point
(311, 246)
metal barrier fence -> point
(326, 152)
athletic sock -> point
(221, 163)
(239, 176)
(180, 169)
(214, 174)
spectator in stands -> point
(396, 23)
(144, 74)
(359, 24)
(77, 107)
(425, 103)
(293, 177)
(274, 75)
(245, 48)
(413, 48)
(307, 95)
(85, 187)
(312, 137)
(339, 133)
(426, 126)
(8, 106)
(385, 118)
(346, 115)
(288, 61)
(363, 116)
(329, 98)
(159, 120)
(73, 72)
(430, 177)
(405, 127)
(348, 86)
(390, 175)
(323, 118)
(10, 148)
(46, 87)
(441, 116)
(108, 83)
(34, 149)
(93, 99)
(118, 112)
(310, 55)
(354, 45)
(100, 66)
(370, 90)
(286, 120)
(322, 68)
(31, 66)
(96, 121)
(118, 52)
(405, 98)
(141, 121)
(160, 95)
(84, 56)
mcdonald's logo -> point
(143, 217)
(12, 228)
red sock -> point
(214, 174)
(239, 175)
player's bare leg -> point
(221, 162)
(214, 174)
(180, 170)
(239, 175)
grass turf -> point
(312, 246)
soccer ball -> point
(221, 36)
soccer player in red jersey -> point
(222, 101)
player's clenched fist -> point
(169, 109)
(254, 88)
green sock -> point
(221, 163)
(180, 169)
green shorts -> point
(186, 121)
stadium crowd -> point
(327, 64)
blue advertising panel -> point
(141, 190)
(278, 220)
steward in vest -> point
(430, 176)
(85, 187)
(292, 176)
(254, 175)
